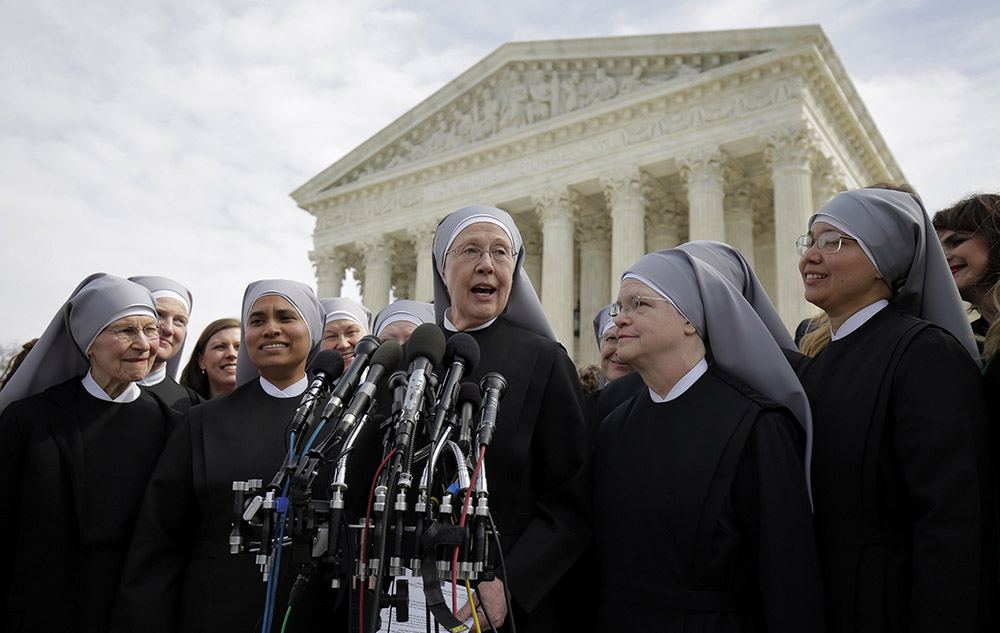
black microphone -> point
(424, 349)
(493, 386)
(462, 354)
(470, 397)
(397, 385)
(385, 358)
(345, 388)
(326, 367)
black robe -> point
(902, 480)
(177, 397)
(702, 515)
(180, 575)
(74, 468)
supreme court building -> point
(605, 149)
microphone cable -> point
(461, 523)
(364, 543)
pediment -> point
(526, 84)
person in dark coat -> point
(173, 309)
(902, 476)
(701, 500)
(78, 442)
(538, 460)
(180, 575)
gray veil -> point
(346, 308)
(416, 312)
(158, 285)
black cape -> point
(902, 480)
(177, 397)
(75, 468)
(180, 575)
(702, 515)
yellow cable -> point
(475, 618)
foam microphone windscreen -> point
(427, 341)
(463, 347)
(329, 362)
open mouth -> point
(484, 291)
(955, 269)
(229, 368)
(275, 346)
(812, 276)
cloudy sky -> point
(145, 137)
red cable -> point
(461, 523)
(364, 541)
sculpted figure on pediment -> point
(488, 120)
(603, 87)
(571, 92)
(514, 112)
(632, 82)
(462, 126)
(541, 97)
(442, 139)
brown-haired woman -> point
(211, 370)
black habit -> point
(180, 575)
(177, 396)
(902, 480)
(75, 468)
(702, 515)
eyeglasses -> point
(128, 334)
(470, 253)
(633, 304)
(828, 242)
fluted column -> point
(625, 193)
(534, 250)
(763, 248)
(788, 154)
(422, 237)
(557, 210)
(704, 173)
(330, 266)
(595, 269)
(739, 220)
(377, 253)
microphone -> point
(397, 385)
(493, 386)
(470, 397)
(425, 348)
(385, 358)
(462, 354)
(326, 367)
(345, 388)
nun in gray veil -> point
(539, 457)
(902, 473)
(180, 575)
(347, 322)
(707, 462)
(397, 320)
(173, 307)
(78, 442)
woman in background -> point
(211, 370)
(347, 322)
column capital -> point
(422, 232)
(626, 186)
(557, 206)
(376, 249)
(593, 231)
(791, 147)
(706, 168)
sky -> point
(142, 137)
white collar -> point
(683, 384)
(154, 377)
(131, 393)
(858, 319)
(293, 390)
(448, 325)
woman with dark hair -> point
(211, 370)
(902, 477)
(78, 442)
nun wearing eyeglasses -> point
(173, 310)
(701, 498)
(902, 478)
(180, 575)
(538, 460)
(396, 321)
(78, 442)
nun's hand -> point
(494, 601)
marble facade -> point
(604, 149)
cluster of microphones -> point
(427, 507)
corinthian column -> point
(378, 273)
(788, 154)
(739, 220)
(330, 266)
(595, 268)
(422, 237)
(557, 210)
(704, 173)
(625, 192)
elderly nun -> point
(180, 575)
(701, 497)
(538, 459)
(173, 309)
(78, 442)
(903, 490)
(396, 321)
(347, 322)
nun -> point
(396, 321)
(78, 442)
(902, 476)
(347, 322)
(538, 460)
(180, 575)
(701, 500)
(173, 309)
